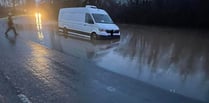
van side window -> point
(88, 19)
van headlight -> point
(101, 30)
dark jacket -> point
(10, 22)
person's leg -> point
(8, 30)
(13, 28)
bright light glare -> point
(38, 15)
(39, 25)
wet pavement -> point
(147, 64)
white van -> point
(87, 21)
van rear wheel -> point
(94, 36)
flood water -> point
(176, 60)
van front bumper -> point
(108, 36)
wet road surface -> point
(174, 60)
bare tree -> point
(9, 3)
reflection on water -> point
(12, 40)
(39, 26)
(42, 68)
(176, 62)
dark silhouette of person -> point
(10, 25)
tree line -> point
(194, 13)
(158, 12)
(15, 6)
(149, 12)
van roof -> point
(91, 6)
(87, 8)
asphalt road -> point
(41, 65)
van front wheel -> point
(94, 36)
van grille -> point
(112, 31)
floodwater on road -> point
(176, 60)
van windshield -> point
(102, 18)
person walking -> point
(10, 25)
